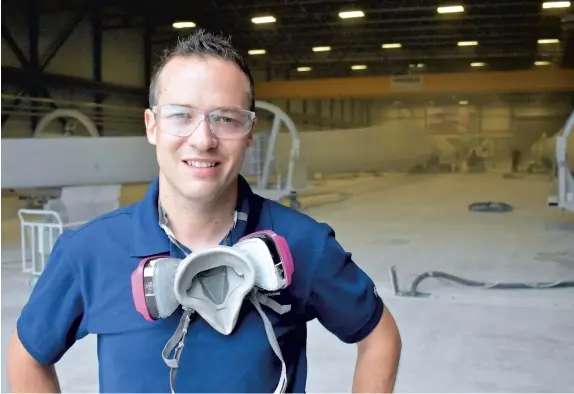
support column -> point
(97, 38)
(33, 57)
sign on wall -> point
(406, 82)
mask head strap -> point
(177, 341)
(254, 297)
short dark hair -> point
(201, 43)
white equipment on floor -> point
(90, 172)
(565, 174)
(41, 227)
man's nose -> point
(202, 137)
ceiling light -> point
(477, 64)
(463, 102)
(392, 45)
(351, 14)
(183, 25)
(359, 67)
(467, 43)
(303, 69)
(257, 52)
(542, 63)
(263, 19)
(420, 65)
(555, 4)
(321, 49)
(548, 41)
(450, 9)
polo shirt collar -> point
(149, 239)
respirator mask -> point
(214, 283)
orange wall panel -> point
(473, 82)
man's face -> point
(204, 84)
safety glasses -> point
(225, 123)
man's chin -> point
(204, 190)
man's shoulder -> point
(115, 222)
(301, 231)
(281, 217)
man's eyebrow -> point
(230, 108)
(223, 108)
(178, 105)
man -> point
(516, 156)
(201, 122)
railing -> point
(16, 109)
(112, 118)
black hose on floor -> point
(490, 206)
(413, 292)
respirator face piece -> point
(214, 284)
(265, 252)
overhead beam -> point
(25, 78)
(568, 40)
(35, 63)
(97, 52)
(34, 54)
(333, 8)
(64, 34)
(552, 80)
(13, 45)
(414, 56)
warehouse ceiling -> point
(506, 32)
(484, 34)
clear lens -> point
(224, 123)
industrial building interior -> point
(436, 138)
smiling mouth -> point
(201, 164)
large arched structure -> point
(263, 184)
(66, 113)
(564, 155)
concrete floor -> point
(457, 340)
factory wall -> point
(507, 110)
(397, 133)
(396, 145)
(122, 64)
(122, 50)
(327, 114)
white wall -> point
(396, 145)
(509, 123)
(397, 135)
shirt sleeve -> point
(52, 319)
(342, 296)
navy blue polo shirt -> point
(85, 289)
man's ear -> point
(150, 126)
(250, 135)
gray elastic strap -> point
(272, 304)
(175, 344)
(282, 385)
(241, 216)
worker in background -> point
(85, 288)
(516, 159)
